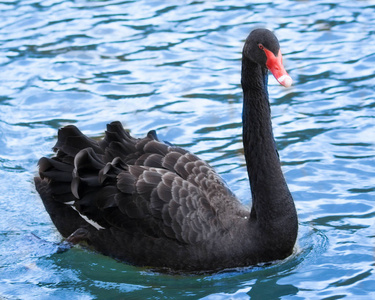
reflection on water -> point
(176, 68)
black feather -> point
(156, 147)
(126, 183)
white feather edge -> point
(91, 222)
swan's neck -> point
(270, 194)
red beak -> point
(275, 65)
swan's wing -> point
(139, 185)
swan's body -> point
(152, 204)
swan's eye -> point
(260, 46)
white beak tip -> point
(285, 80)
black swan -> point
(149, 203)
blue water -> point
(174, 66)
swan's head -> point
(262, 47)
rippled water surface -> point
(174, 66)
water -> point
(176, 68)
